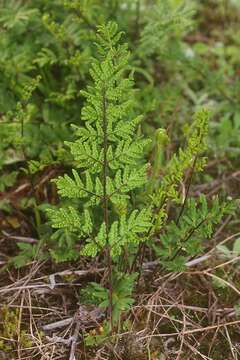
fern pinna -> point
(110, 154)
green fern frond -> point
(191, 156)
(65, 218)
(107, 150)
(185, 239)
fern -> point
(108, 175)
(190, 157)
(63, 245)
(101, 151)
(166, 22)
(16, 14)
(185, 238)
(27, 253)
(104, 207)
(122, 294)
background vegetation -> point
(161, 280)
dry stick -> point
(28, 240)
(53, 310)
(153, 264)
(213, 341)
(194, 331)
(182, 339)
(73, 272)
(74, 340)
(224, 241)
(225, 311)
(230, 343)
(19, 328)
(58, 324)
(206, 272)
(37, 286)
(195, 351)
(165, 315)
(38, 340)
(32, 272)
(226, 263)
(222, 280)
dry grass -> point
(175, 316)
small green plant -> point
(109, 206)
(111, 156)
(185, 237)
(27, 253)
(10, 331)
(95, 338)
(121, 297)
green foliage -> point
(27, 253)
(167, 22)
(111, 211)
(7, 180)
(63, 246)
(10, 332)
(188, 158)
(93, 339)
(123, 199)
(54, 40)
(184, 237)
(110, 155)
(122, 294)
(219, 283)
(196, 145)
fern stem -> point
(105, 205)
(187, 238)
(188, 189)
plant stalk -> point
(105, 207)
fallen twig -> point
(28, 240)
(75, 340)
(58, 324)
